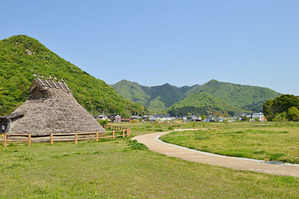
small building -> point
(192, 118)
(125, 120)
(117, 119)
(259, 116)
(210, 119)
(163, 117)
(50, 108)
(150, 118)
(101, 117)
(136, 117)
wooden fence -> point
(66, 137)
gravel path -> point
(153, 142)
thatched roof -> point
(51, 108)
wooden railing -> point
(66, 137)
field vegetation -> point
(125, 169)
(276, 142)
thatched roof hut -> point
(50, 108)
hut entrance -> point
(3, 125)
(5, 121)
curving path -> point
(153, 142)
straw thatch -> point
(51, 108)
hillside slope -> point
(132, 91)
(22, 56)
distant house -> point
(260, 116)
(163, 117)
(101, 117)
(195, 118)
(220, 119)
(210, 119)
(136, 117)
(125, 119)
(115, 118)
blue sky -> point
(157, 41)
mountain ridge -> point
(241, 97)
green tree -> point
(268, 110)
(280, 117)
(284, 102)
(293, 114)
(245, 118)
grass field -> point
(278, 143)
(116, 169)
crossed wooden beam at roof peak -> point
(49, 78)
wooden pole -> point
(113, 134)
(51, 138)
(76, 138)
(123, 133)
(5, 139)
(29, 139)
(97, 136)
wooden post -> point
(97, 136)
(123, 133)
(113, 134)
(129, 131)
(51, 138)
(76, 138)
(29, 139)
(5, 139)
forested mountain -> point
(156, 98)
(159, 98)
(22, 56)
(202, 103)
(241, 96)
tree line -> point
(284, 107)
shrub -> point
(136, 145)
(103, 122)
(170, 128)
(293, 114)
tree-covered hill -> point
(201, 103)
(248, 98)
(22, 56)
(132, 91)
(159, 98)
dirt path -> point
(153, 142)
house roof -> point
(12, 116)
(50, 83)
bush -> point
(281, 117)
(103, 122)
(136, 145)
(293, 114)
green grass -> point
(265, 143)
(117, 169)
